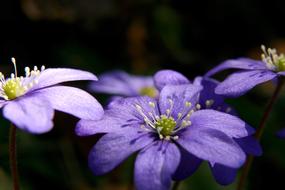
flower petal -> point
(250, 145)
(282, 73)
(113, 148)
(121, 83)
(114, 82)
(31, 113)
(224, 175)
(169, 77)
(208, 92)
(73, 101)
(179, 94)
(2, 103)
(105, 125)
(155, 165)
(187, 166)
(241, 63)
(212, 145)
(226, 123)
(51, 77)
(239, 83)
(120, 114)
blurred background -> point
(140, 37)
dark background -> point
(140, 37)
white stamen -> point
(15, 66)
(209, 103)
(198, 106)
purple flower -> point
(166, 131)
(122, 84)
(251, 72)
(29, 101)
(208, 99)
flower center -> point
(15, 86)
(273, 60)
(165, 125)
(148, 91)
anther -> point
(209, 103)
(175, 137)
(198, 106)
(188, 104)
(151, 104)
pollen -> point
(273, 60)
(15, 86)
(148, 91)
(165, 125)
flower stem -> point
(13, 157)
(259, 133)
(176, 185)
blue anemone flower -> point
(208, 99)
(251, 72)
(165, 131)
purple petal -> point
(242, 63)
(2, 103)
(282, 73)
(121, 83)
(31, 113)
(224, 175)
(114, 82)
(120, 114)
(187, 166)
(239, 83)
(250, 145)
(125, 108)
(155, 165)
(179, 94)
(212, 145)
(208, 92)
(113, 148)
(281, 133)
(73, 101)
(105, 125)
(169, 77)
(226, 123)
(51, 77)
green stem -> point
(259, 133)
(13, 157)
(176, 185)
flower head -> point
(208, 99)
(251, 72)
(166, 131)
(122, 84)
(29, 101)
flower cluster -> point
(173, 123)
(174, 132)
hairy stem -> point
(13, 157)
(259, 133)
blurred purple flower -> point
(122, 84)
(251, 72)
(29, 102)
(208, 99)
(166, 131)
